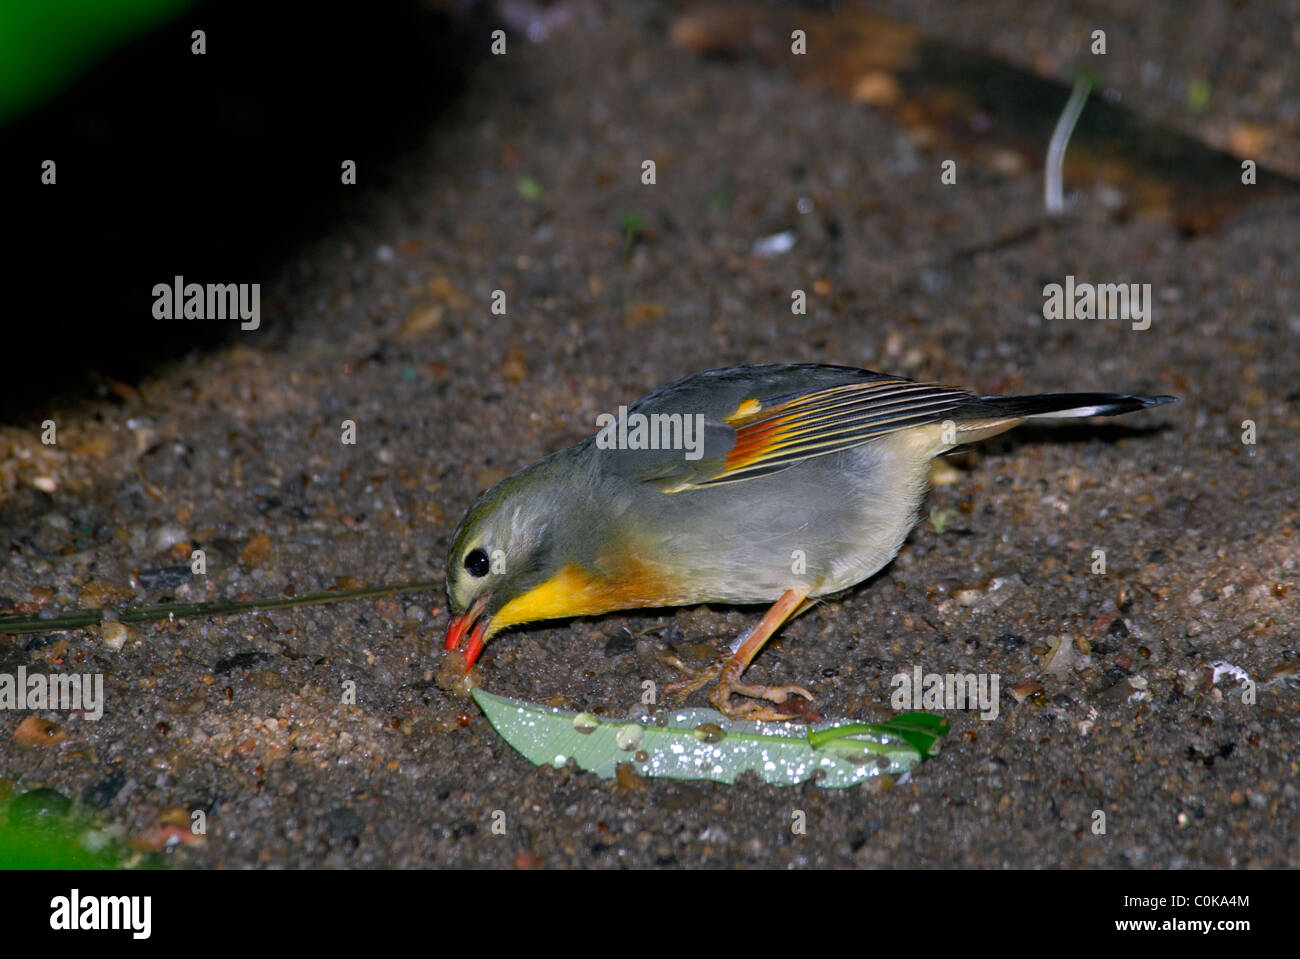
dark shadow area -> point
(1065, 433)
(212, 167)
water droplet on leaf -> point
(629, 736)
(709, 733)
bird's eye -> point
(477, 563)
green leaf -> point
(922, 730)
(704, 744)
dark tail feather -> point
(1058, 405)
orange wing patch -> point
(754, 442)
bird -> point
(778, 484)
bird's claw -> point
(753, 709)
(694, 678)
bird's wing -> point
(763, 436)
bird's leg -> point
(697, 678)
(791, 603)
(728, 669)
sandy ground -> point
(383, 318)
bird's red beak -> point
(472, 617)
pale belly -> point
(825, 524)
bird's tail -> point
(1059, 405)
(985, 416)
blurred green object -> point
(46, 44)
(41, 830)
(1198, 95)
